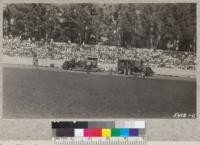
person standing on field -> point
(35, 58)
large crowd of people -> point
(105, 54)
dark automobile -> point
(69, 64)
(133, 67)
(87, 64)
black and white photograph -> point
(99, 60)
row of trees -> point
(162, 26)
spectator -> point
(106, 54)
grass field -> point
(31, 93)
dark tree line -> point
(162, 26)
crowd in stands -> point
(105, 54)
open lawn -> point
(32, 93)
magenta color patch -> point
(87, 132)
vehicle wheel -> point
(65, 68)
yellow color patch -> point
(106, 132)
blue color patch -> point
(124, 132)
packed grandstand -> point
(106, 54)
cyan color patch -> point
(124, 132)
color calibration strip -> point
(99, 133)
(99, 129)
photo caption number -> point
(184, 115)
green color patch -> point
(115, 132)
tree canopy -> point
(127, 25)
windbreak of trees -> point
(161, 26)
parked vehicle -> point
(133, 67)
(90, 63)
